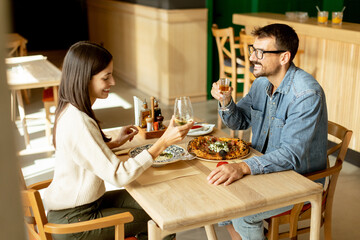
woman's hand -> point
(228, 173)
(216, 93)
(172, 135)
(126, 133)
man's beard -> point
(263, 73)
(260, 74)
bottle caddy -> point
(151, 120)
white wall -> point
(11, 220)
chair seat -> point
(48, 95)
(305, 207)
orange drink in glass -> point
(322, 17)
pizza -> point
(218, 148)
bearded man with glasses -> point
(286, 110)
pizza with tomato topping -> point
(218, 148)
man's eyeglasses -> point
(260, 53)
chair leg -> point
(23, 117)
(273, 233)
(210, 232)
(119, 232)
(327, 226)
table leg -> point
(210, 232)
(154, 232)
(315, 217)
(22, 117)
(13, 105)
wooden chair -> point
(16, 47)
(245, 41)
(39, 228)
(302, 212)
(230, 63)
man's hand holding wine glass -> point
(221, 91)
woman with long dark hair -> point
(84, 159)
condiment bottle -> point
(160, 119)
(157, 110)
(144, 113)
(149, 124)
(156, 126)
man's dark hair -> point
(285, 37)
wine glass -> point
(224, 88)
(183, 111)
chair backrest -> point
(16, 45)
(34, 212)
(38, 227)
(343, 137)
(331, 173)
(245, 41)
(226, 46)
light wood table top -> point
(31, 72)
(189, 202)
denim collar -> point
(285, 84)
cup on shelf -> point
(337, 18)
(322, 17)
(302, 16)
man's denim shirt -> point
(294, 118)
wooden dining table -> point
(27, 73)
(178, 197)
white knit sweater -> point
(83, 161)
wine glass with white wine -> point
(183, 111)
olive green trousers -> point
(110, 203)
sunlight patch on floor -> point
(40, 166)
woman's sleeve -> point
(91, 152)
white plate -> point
(175, 150)
(206, 129)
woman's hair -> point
(82, 61)
(285, 37)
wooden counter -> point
(161, 52)
(331, 55)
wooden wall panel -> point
(161, 52)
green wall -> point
(221, 11)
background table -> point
(190, 202)
(27, 73)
